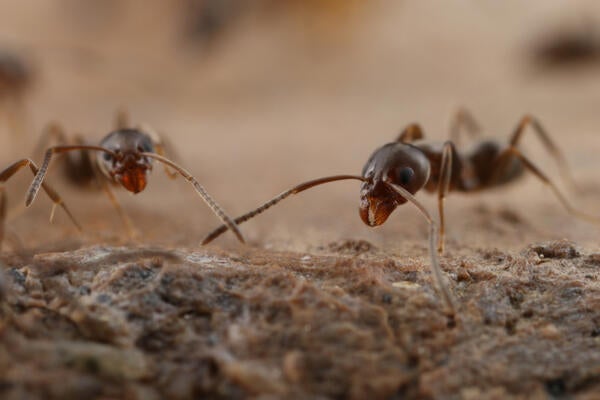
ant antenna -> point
(201, 192)
(40, 174)
(435, 264)
(296, 189)
(54, 196)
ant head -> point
(126, 164)
(398, 163)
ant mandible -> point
(124, 157)
(397, 170)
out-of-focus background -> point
(258, 96)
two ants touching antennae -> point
(124, 157)
(398, 170)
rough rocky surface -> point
(149, 322)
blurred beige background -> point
(291, 94)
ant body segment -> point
(396, 171)
(124, 158)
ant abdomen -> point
(483, 158)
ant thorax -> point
(125, 163)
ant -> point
(398, 170)
(124, 157)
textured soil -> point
(347, 321)
(316, 305)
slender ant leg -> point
(54, 196)
(53, 132)
(550, 146)
(411, 133)
(444, 188)
(435, 263)
(414, 132)
(3, 212)
(503, 160)
(16, 116)
(463, 121)
(122, 119)
(132, 233)
(512, 151)
(41, 173)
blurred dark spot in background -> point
(566, 46)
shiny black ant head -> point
(397, 163)
(126, 165)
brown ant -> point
(397, 170)
(124, 157)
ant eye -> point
(405, 175)
(145, 147)
(107, 156)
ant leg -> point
(410, 134)
(201, 191)
(265, 206)
(122, 119)
(16, 242)
(443, 189)
(435, 264)
(54, 196)
(131, 231)
(16, 117)
(463, 121)
(514, 152)
(78, 167)
(550, 146)
(52, 133)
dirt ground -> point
(317, 304)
